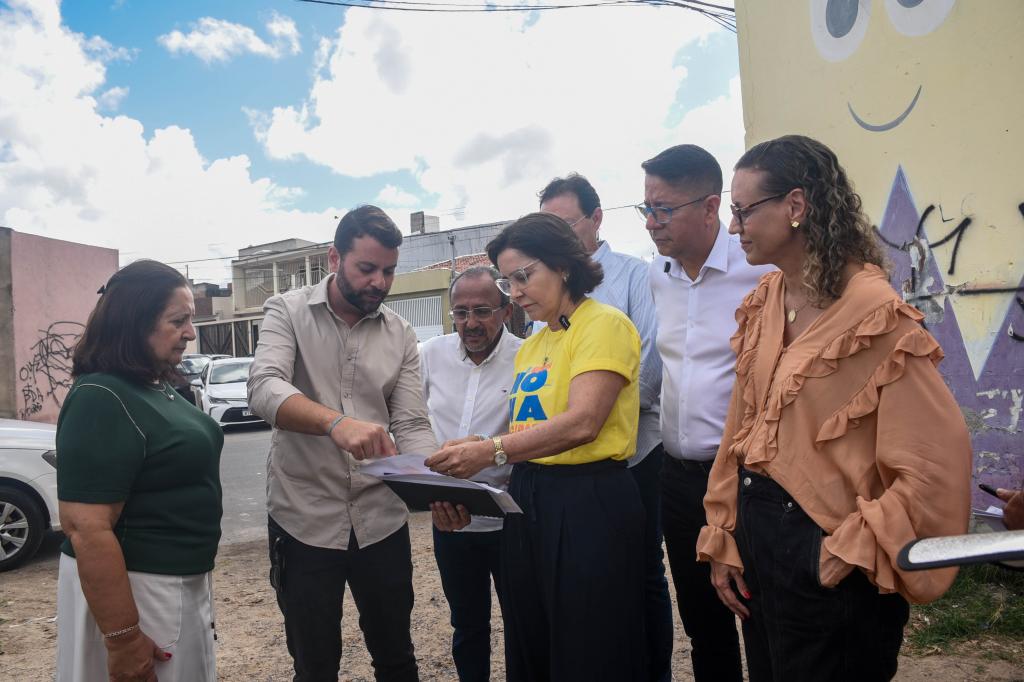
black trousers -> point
(657, 601)
(572, 575)
(310, 585)
(798, 630)
(467, 562)
(711, 627)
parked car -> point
(220, 391)
(191, 367)
(28, 489)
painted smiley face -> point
(838, 28)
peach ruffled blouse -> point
(854, 421)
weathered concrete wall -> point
(8, 372)
(923, 105)
(54, 287)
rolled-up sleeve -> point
(410, 423)
(270, 376)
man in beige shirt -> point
(334, 372)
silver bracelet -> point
(337, 420)
(119, 633)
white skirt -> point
(175, 611)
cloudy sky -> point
(186, 130)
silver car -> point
(220, 391)
(28, 489)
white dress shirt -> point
(695, 320)
(466, 399)
(626, 287)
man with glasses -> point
(698, 279)
(466, 377)
(626, 287)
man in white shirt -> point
(466, 377)
(626, 287)
(698, 279)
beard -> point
(366, 300)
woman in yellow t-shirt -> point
(572, 562)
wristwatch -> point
(499, 452)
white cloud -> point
(69, 172)
(217, 40)
(111, 99)
(484, 110)
(399, 198)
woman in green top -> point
(140, 496)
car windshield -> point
(193, 365)
(230, 373)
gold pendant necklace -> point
(791, 313)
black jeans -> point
(310, 585)
(799, 630)
(467, 561)
(657, 601)
(711, 627)
(572, 575)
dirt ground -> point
(251, 633)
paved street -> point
(243, 475)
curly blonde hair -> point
(835, 227)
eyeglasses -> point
(663, 214)
(578, 220)
(741, 213)
(480, 313)
(518, 278)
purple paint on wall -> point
(992, 402)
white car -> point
(220, 391)
(28, 489)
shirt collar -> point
(719, 256)
(601, 252)
(718, 259)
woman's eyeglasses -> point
(519, 278)
(741, 213)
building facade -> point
(48, 288)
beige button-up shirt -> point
(315, 491)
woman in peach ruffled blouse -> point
(842, 442)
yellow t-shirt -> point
(599, 337)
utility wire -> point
(721, 15)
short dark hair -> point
(578, 186)
(480, 271)
(366, 221)
(686, 163)
(116, 337)
(550, 240)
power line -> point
(721, 15)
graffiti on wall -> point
(47, 375)
(992, 398)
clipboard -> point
(418, 486)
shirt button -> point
(747, 481)
(789, 505)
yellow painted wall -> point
(961, 146)
(923, 102)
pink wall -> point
(54, 287)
